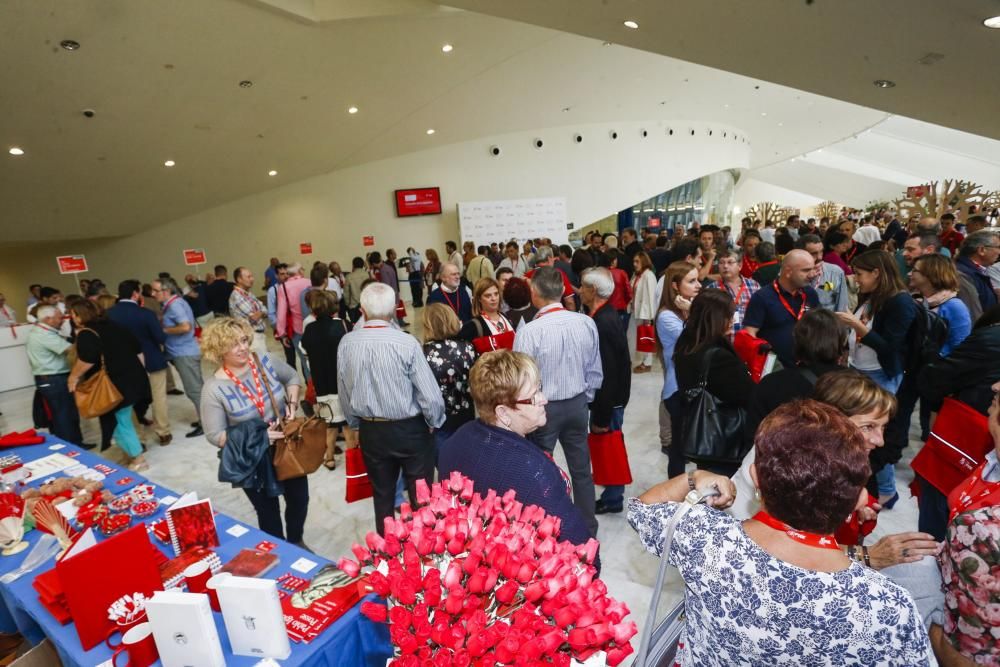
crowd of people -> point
(526, 345)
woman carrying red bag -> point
(643, 310)
(488, 330)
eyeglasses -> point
(535, 399)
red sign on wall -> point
(654, 222)
(194, 256)
(72, 264)
(916, 192)
(305, 248)
(368, 241)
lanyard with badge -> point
(802, 308)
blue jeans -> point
(65, 418)
(886, 477)
(614, 496)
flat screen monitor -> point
(418, 201)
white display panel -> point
(485, 222)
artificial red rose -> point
(588, 551)
(400, 616)
(363, 555)
(411, 559)
(379, 583)
(551, 641)
(617, 654)
(507, 650)
(455, 481)
(453, 575)
(349, 567)
(525, 572)
(565, 617)
(423, 492)
(616, 611)
(471, 562)
(453, 603)
(458, 636)
(561, 660)
(406, 591)
(468, 488)
(581, 638)
(407, 644)
(623, 632)
(406, 661)
(534, 591)
(375, 542)
(506, 592)
(375, 612)
(392, 544)
(457, 544)
(405, 512)
(491, 579)
(442, 659)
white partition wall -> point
(484, 222)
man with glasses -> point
(565, 346)
(828, 279)
(978, 253)
(181, 347)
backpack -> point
(927, 335)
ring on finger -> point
(906, 552)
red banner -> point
(72, 264)
(305, 248)
(194, 256)
(368, 241)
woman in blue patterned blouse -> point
(776, 589)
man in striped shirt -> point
(245, 306)
(389, 395)
(740, 288)
(565, 346)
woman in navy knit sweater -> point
(493, 450)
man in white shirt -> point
(454, 256)
(513, 260)
(867, 233)
(7, 315)
(767, 233)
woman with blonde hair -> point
(487, 320)
(450, 359)
(235, 395)
(680, 287)
(643, 305)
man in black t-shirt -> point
(218, 291)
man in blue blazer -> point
(145, 326)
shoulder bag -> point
(712, 432)
(97, 395)
(303, 448)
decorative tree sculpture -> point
(827, 209)
(933, 201)
(764, 212)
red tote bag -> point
(609, 458)
(645, 338)
(501, 341)
(358, 485)
(753, 351)
(960, 439)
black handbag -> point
(712, 431)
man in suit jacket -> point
(145, 326)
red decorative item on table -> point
(609, 458)
(15, 439)
(359, 486)
(145, 508)
(645, 338)
(510, 592)
(114, 523)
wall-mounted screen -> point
(418, 201)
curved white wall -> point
(598, 176)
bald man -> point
(776, 307)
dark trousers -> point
(933, 506)
(296, 507)
(417, 291)
(897, 431)
(568, 422)
(65, 418)
(676, 463)
(389, 447)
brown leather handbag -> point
(97, 395)
(303, 448)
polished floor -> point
(333, 525)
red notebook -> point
(250, 563)
(192, 525)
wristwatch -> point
(692, 497)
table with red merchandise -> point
(350, 640)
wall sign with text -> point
(72, 264)
(194, 256)
(305, 248)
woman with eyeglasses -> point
(235, 403)
(494, 450)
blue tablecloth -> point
(352, 640)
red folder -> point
(94, 578)
(960, 439)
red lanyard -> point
(458, 300)
(597, 310)
(543, 313)
(375, 326)
(501, 324)
(170, 301)
(800, 536)
(974, 493)
(738, 295)
(802, 308)
(258, 400)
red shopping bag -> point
(401, 310)
(609, 458)
(753, 351)
(960, 439)
(358, 485)
(310, 392)
(645, 338)
(501, 341)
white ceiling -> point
(162, 77)
(942, 58)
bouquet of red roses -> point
(484, 581)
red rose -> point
(618, 653)
(349, 567)
(375, 542)
(423, 492)
(406, 591)
(457, 544)
(623, 632)
(453, 603)
(392, 544)
(456, 481)
(407, 644)
(375, 611)
(505, 594)
(363, 555)
(581, 638)
(379, 583)
(400, 616)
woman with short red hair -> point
(776, 588)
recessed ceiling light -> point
(632, 25)
(763, 113)
(352, 109)
(246, 83)
(430, 131)
(993, 22)
(565, 109)
(14, 150)
(447, 48)
(272, 173)
(780, 124)
(169, 163)
(69, 44)
(884, 83)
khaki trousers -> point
(158, 386)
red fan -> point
(49, 519)
(11, 524)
